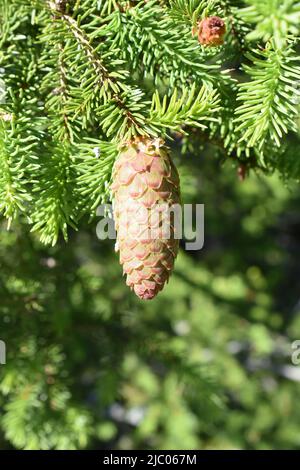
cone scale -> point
(145, 189)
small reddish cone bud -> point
(146, 190)
(242, 172)
(211, 31)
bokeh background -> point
(206, 365)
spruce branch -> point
(110, 87)
(17, 161)
(94, 160)
(10, 20)
(55, 205)
(190, 109)
(190, 11)
(272, 19)
(58, 96)
(89, 74)
(269, 100)
(162, 48)
(106, 81)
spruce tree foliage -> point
(206, 365)
(78, 77)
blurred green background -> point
(206, 365)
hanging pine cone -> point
(145, 187)
(211, 31)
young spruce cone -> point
(211, 31)
(145, 188)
